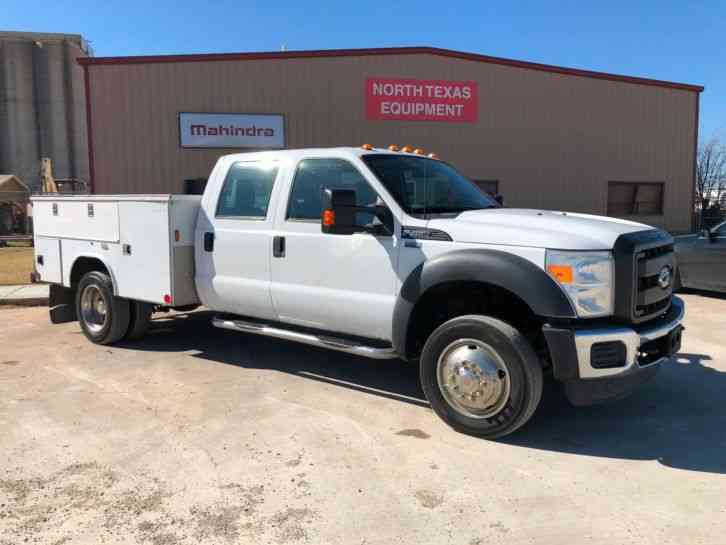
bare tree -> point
(710, 178)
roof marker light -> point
(433, 156)
(406, 149)
(367, 147)
(418, 151)
(394, 147)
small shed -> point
(14, 202)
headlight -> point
(586, 278)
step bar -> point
(331, 343)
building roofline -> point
(326, 53)
(38, 35)
(50, 37)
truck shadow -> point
(703, 293)
(679, 419)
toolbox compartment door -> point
(48, 259)
(76, 219)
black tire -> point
(515, 352)
(117, 309)
(140, 320)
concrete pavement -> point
(24, 294)
(198, 435)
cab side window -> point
(246, 190)
(312, 175)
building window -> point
(490, 187)
(635, 198)
(246, 191)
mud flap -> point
(62, 303)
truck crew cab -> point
(386, 254)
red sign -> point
(422, 100)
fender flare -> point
(502, 269)
(67, 281)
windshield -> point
(423, 186)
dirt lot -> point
(197, 435)
(16, 264)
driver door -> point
(341, 283)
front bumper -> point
(602, 363)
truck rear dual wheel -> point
(481, 376)
(104, 317)
(140, 320)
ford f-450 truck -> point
(385, 254)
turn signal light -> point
(406, 149)
(328, 218)
(393, 147)
(562, 273)
(368, 147)
(418, 151)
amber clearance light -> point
(406, 149)
(368, 147)
(394, 147)
(562, 273)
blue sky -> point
(671, 40)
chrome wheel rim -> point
(94, 310)
(473, 378)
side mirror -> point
(706, 233)
(338, 214)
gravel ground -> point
(197, 435)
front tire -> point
(481, 376)
(104, 318)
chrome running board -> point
(331, 343)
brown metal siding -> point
(553, 140)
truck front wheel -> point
(481, 376)
(104, 317)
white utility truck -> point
(384, 253)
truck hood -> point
(536, 228)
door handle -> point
(208, 242)
(278, 247)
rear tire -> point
(481, 376)
(104, 318)
(140, 320)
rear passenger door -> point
(341, 283)
(233, 272)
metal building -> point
(42, 105)
(541, 136)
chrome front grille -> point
(651, 298)
(640, 258)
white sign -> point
(231, 131)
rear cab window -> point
(247, 190)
